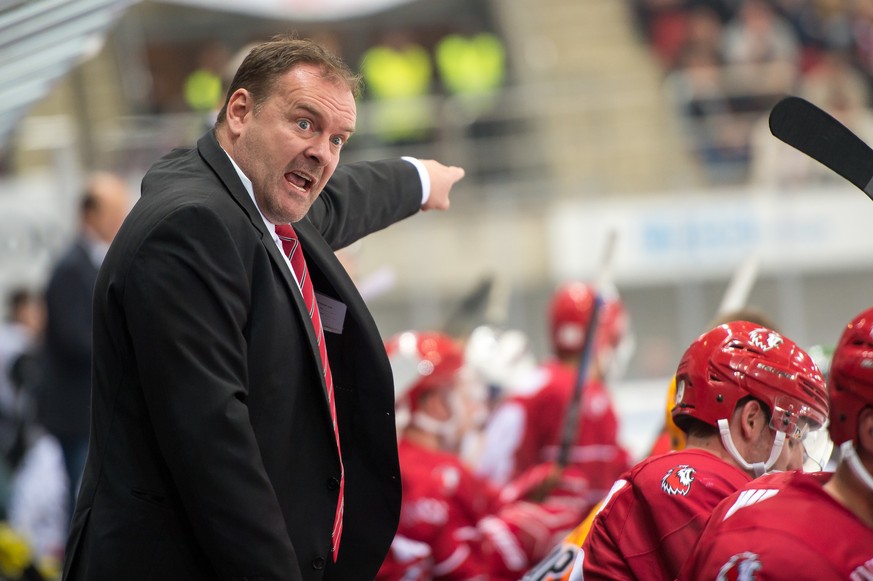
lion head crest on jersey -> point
(765, 339)
(678, 480)
(741, 567)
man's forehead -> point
(309, 73)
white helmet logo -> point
(765, 339)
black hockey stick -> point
(572, 417)
(809, 129)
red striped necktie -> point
(291, 246)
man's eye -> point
(304, 124)
(338, 141)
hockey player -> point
(746, 397)
(558, 565)
(500, 359)
(794, 525)
(526, 429)
(671, 437)
(442, 499)
(453, 525)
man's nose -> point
(319, 150)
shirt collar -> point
(247, 184)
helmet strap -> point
(757, 468)
(850, 456)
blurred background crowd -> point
(574, 119)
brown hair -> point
(266, 62)
(750, 314)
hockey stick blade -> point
(809, 129)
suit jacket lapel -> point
(218, 160)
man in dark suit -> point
(213, 454)
(65, 386)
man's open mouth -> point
(300, 180)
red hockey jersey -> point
(442, 502)
(453, 526)
(526, 430)
(655, 513)
(783, 526)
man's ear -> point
(239, 106)
(752, 418)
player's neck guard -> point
(850, 457)
(758, 468)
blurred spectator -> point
(19, 336)
(38, 498)
(729, 61)
(762, 54)
(230, 67)
(662, 23)
(704, 34)
(762, 64)
(65, 391)
(862, 36)
(837, 87)
(472, 68)
(697, 85)
(203, 86)
(819, 25)
(726, 9)
(34, 488)
(398, 74)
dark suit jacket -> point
(65, 385)
(212, 454)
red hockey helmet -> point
(850, 383)
(740, 359)
(570, 314)
(422, 361)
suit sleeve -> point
(186, 301)
(364, 197)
